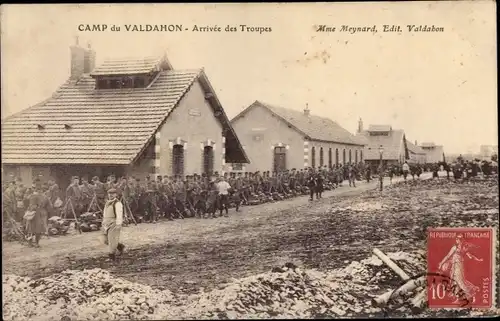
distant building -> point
(417, 154)
(277, 138)
(392, 141)
(486, 151)
(126, 117)
(434, 153)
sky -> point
(437, 87)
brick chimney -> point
(88, 60)
(360, 125)
(306, 110)
(416, 143)
(77, 61)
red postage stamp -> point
(460, 266)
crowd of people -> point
(195, 195)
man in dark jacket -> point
(311, 183)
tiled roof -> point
(315, 127)
(379, 128)
(127, 66)
(428, 145)
(391, 145)
(414, 148)
(108, 126)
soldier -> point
(40, 207)
(151, 201)
(319, 185)
(9, 200)
(133, 191)
(86, 192)
(74, 195)
(197, 196)
(111, 224)
(141, 197)
(99, 192)
(20, 192)
(212, 198)
(179, 196)
(311, 183)
(352, 176)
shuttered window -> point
(208, 160)
(361, 155)
(336, 156)
(178, 160)
(313, 157)
(329, 158)
(321, 156)
(279, 159)
(350, 156)
(356, 156)
(343, 156)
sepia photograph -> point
(249, 161)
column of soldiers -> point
(176, 197)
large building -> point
(416, 154)
(126, 117)
(382, 141)
(277, 138)
(433, 153)
(487, 151)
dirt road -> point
(78, 246)
(186, 255)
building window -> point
(139, 82)
(115, 83)
(350, 156)
(336, 156)
(356, 156)
(329, 158)
(313, 157)
(208, 160)
(178, 160)
(127, 82)
(279, 159)
(343, 156)
(321, 156)
(102, 83)
(361, 155)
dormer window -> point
(139, 82)
(40, 127)
(379, 133)
(67, 126)
(122, 82)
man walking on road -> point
(352, 176)
(223, 188)
(112, 223)
(406, 169)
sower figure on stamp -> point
(112, 223)
(454, 263)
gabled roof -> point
(313, 127)
(392, 145)
(127, 66)
(414, 148)
(107, 126)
